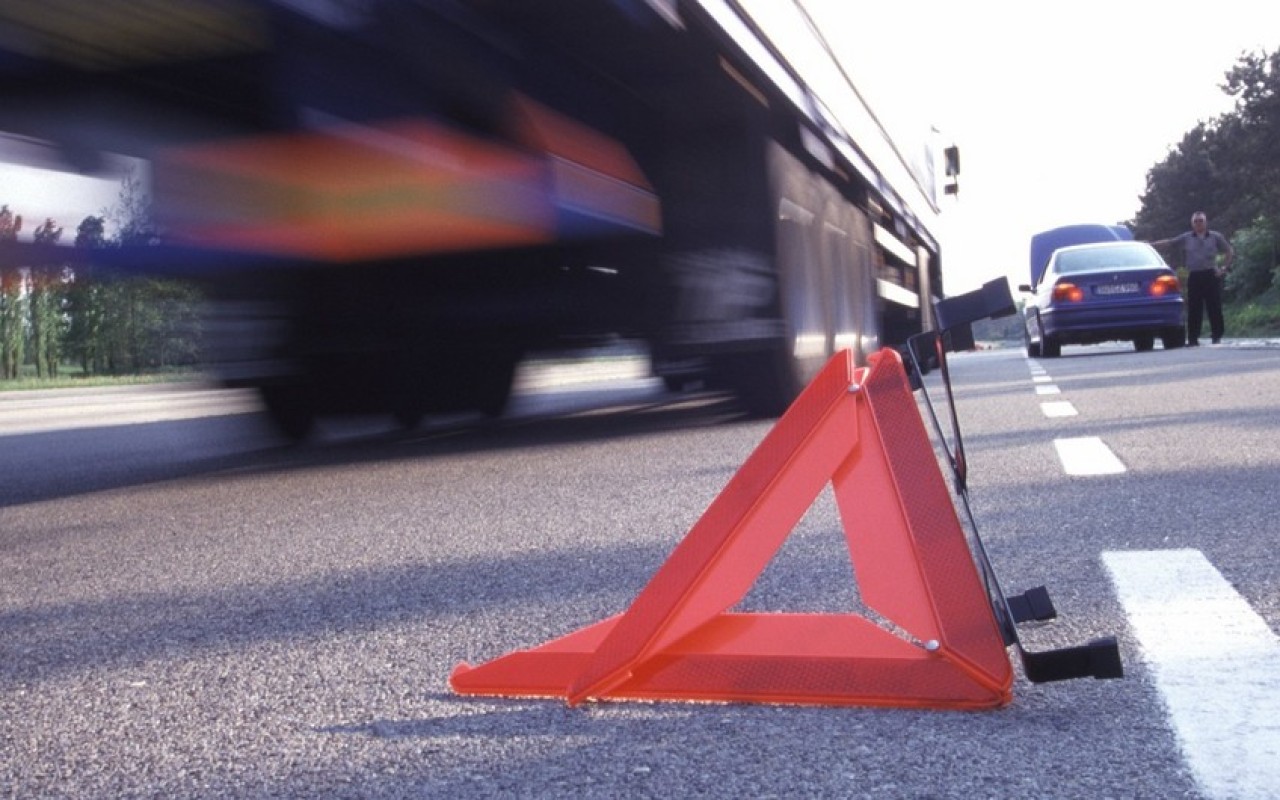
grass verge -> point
(75, 379)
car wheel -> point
(1033, 348)
(1144, 343)
(1172, 337)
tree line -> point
(1228, 167)
(57, 314)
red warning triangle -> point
(859, 430)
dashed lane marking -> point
(1214, 660)
(1058, 408)
(1087, 456)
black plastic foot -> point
(1032, 605)
(1097, 659)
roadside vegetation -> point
(72, 378)
(65, 325)
(1258, 318)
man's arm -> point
(1228, 252)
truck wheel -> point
(765, 383)
(491, 387)
(291, 408)
(408, 415)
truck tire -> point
(490, 388)
(764, 383)
(290, 407)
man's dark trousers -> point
(1204, 290)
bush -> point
(1254, 269)
(1257, 317)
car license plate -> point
(1118, 288)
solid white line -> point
(1048, 390)
(1058, 408)
(1214, 660)
(1087, 456)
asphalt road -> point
(191, 608)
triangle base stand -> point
(810, 659)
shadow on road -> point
(56, 464)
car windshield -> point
(1089, 259)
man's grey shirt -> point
(1201, 252)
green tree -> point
(45, 303)
(12, 302)
(85, 304)
(1230, 168)
(1255, 132)
(1255, 84)
(1253, 270)
(137, 323)
(1191, 178)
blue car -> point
(1102, 292)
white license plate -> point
(1118, 288)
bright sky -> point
(37, 194)
(1059, 109)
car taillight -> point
(1067, 292)
(1165, 284)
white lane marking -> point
(1214, 660)
(1041, 379)
(1048, 390)
(1058, 408)
(1087, 456)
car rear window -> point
(1095, 258)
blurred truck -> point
(392, 202)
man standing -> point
(1200, 247)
